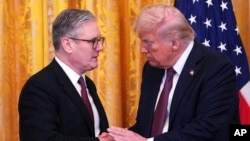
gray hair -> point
(67, 22)
(167, 21)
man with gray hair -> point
(60, 102)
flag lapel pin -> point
(191, 72)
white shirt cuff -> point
(150, 139)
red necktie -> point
(160, 113)
(85, 98)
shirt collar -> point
(178, 66)
(72, 75)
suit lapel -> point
(151, 82)
(72, 93)
(186, 77)
(99, 107)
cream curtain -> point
(26, 47)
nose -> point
(99, 46)
(143, 49)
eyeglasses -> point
(94, 41)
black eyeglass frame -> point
(94, 41)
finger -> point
(104, 134)
(117, 137)
(115, 130)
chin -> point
(153, 64)
(94, 66)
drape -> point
(26, 47)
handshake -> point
(120, 134)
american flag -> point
(215, 26)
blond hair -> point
(166, 20)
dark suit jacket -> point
(203, 104)
(50, 108)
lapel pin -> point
(191, 72)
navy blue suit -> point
(204, 103)
(50, 108)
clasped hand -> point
(123, 134)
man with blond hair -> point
(199, 96)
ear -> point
(66, 45)
(175, 43)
